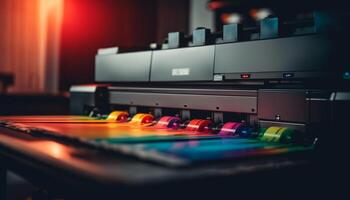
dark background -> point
(92, 24)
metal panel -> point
(302, 53)
(278, 75)
(283, 105)
(294, 126)
(242, 104)
(94, 96)
(200, 91)
(185, 64)
(125, 67)
(342, 96)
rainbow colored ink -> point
(168, 139)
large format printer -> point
(244, 110)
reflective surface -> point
(152, 142)
(193, 151)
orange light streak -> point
(50, 22)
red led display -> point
(245, 76)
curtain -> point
(29, 43)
